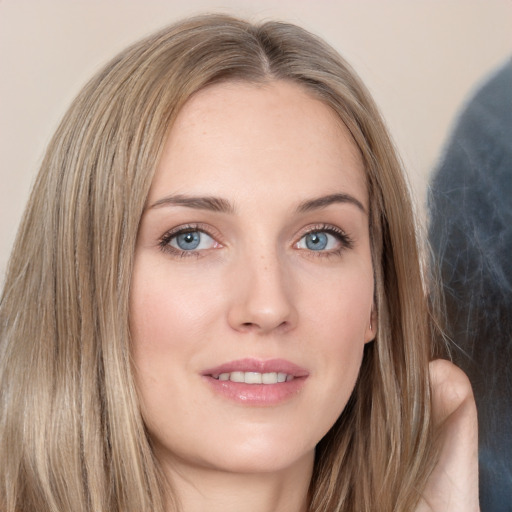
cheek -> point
(338, 320)
(166, 331)
(167, 309)
(340, 307)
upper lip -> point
(259, 366)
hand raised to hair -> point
(453, 484)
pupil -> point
(316, 241)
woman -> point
(215, 299)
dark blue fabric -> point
(471, 237)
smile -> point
(255, 377)
(256, 382)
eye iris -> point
(188, 241)
(316, 241)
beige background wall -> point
(420, 59)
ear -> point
(371, 329)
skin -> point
(253, 289)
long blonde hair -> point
(71, 434)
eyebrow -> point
(324, 201)
(220, 205)
(214, 204)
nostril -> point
(250, 326)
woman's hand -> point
(453, 485)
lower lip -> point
(257, 394)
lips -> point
(257, 382)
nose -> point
(262, 298)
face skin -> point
(276, 274)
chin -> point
(255, 454)
(243, 461)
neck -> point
(199, 489)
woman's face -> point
(253, 286)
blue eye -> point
(191, 241)
(328, 240)
(316, 241)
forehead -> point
(240, 138)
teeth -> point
(255, 377)
(252, 378)
(237, 377)
(269, 378)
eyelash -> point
(165, 241)
(344, 239)
(346, 242)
